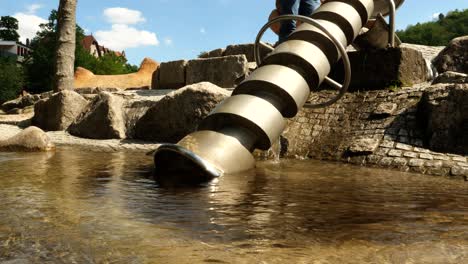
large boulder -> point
(445, 114)
(179, 112)
(170, 75)
(59, 111)
(454, 57)
(225, 71)
(103, 119)
(30, 139)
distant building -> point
(14, 49)
(91, 45)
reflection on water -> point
(75, 206)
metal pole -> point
(391, 32)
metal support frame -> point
(391, 32)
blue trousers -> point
(294, 7)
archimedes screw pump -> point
(254, 116)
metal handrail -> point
(391, 32)
(343, 88)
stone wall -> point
(375, 128)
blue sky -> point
(167, 30)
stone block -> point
(171, 75)
(410, 154)
(377, 69)
(245, 49)
(400, 162)
(225, 72)
(395, 153)
(386, 162)
(404, 146)
(212, 54)
(426, 156)
(416, 163)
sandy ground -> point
(61, 138)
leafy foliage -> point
(8, 28)
(40, 69)
(437, 33)
(11, 79)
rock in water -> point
(30, 139)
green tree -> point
(437, 33)
(40, 70)
(11, 79)
(66, 45)
(8, 28)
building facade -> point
(14, 49)
(91, 45)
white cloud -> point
(28, 25)
(436, 16)
(33, 8)
(203, 30)
(168, 41)
(123, 16)
(122, 37)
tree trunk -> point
(65, 56)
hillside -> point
(437, 33)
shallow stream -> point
(76, 206)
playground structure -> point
(254, 116)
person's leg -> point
(307, 7)
(288, 7)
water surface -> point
(76, 206)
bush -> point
(11, 79)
